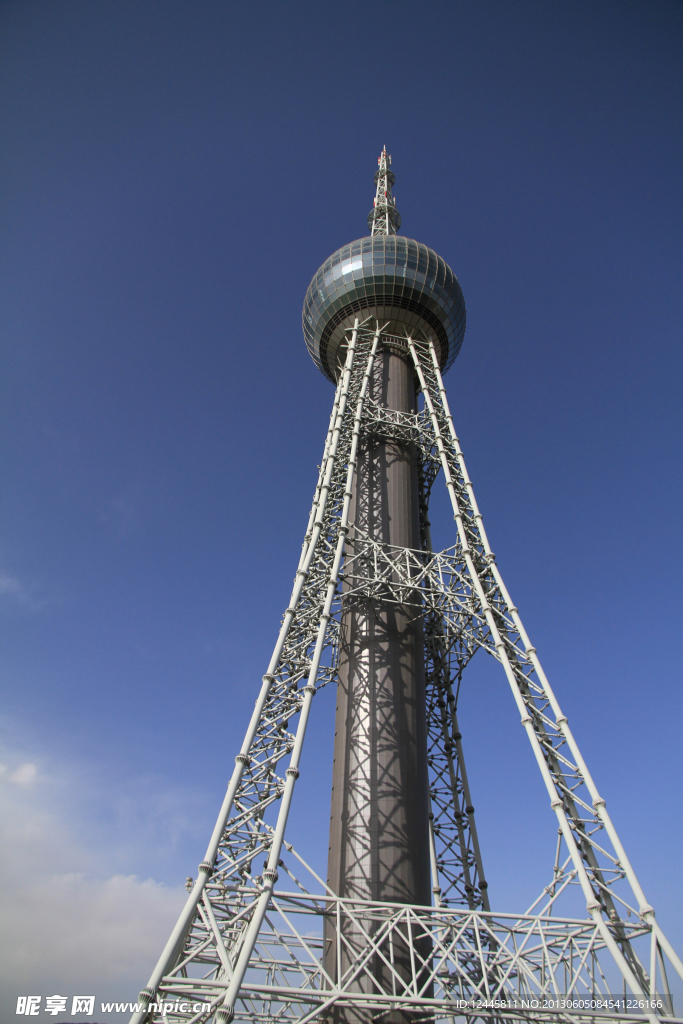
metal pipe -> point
(645, 909)
(179, 933)
(270, 874)
(321, 472)
(592, 906)
(436, 888)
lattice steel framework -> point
(249, 942)
(384, 218)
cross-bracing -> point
(259, 929)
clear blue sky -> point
(173, 174)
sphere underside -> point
(389, 278)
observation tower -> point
(403, 928)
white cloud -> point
(65, 928)
(24, 775)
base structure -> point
(479, 965)
(262, 938)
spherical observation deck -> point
(393, 279)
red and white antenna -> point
(384, 218)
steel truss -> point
(384, 218)
(249, 950)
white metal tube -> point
(334, 443)
(599, 805)
(184, 921)
(666, 946)
(591, 904)
(218, 938)
(321, 473)
(436, 888)
(270, 874)
(226, 1011)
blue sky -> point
(173, 174)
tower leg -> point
(379, 828)
(246, 950)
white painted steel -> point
(226, 1011)
(384, 218)
(256, 952)
(592, 905)
(180, 931)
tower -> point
(402, 929)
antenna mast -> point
(384, 218)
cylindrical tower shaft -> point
(379, 828)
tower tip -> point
(384, 218)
